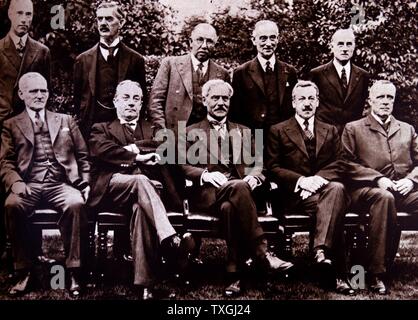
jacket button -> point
(263, 115)
(175, 108)
(177, 91)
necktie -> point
(306, 130)
(220, 128)
(268, 67)
(38, 121)
(130, 126)
(20, 48)
(199, 72)
(386, 126)
(111, 51)
(344, 81)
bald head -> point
(202, 41)
(343, 45)
(33, 90)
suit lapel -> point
(115, 129)
(332, 77)
(124, 62)
(281, 72)
(214, 71)
(375, 126)
(184, 68)
(320, 135)
(29, 56)
(254, 71)
(11, 53)
(394, 127)
(54, 123)
(24, 123)
(295, 135)
(92, 68)
(354, 79)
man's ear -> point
(253, 40)
(20, 94)
(122, 23)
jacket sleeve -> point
(78, 85)
(234, 113)
(81, 153)
(159, 94)
(8, 158)
(413, 175)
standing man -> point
(380, 155)
(98, 70)
(43, 159)
(177, 91)
(263, 86)
(19, 54)
(301, 157)
(121, 177)
(224, 182)
(342, 85)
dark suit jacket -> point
(333, 107)
(131, 67)
(369, 153)
(206, 194)
(287, 157)
(108, 156)
(17, 148)
(35, 59)
(249, 104)
(172, 93)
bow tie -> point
(216, 123)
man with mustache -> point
(302, 155)
(43, 160)
(342, 85)
(19, 54)
(224, 183)
(177, 91)
(263, 86)
(98, 70)
(121, 178)
(380, 156)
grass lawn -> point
(207, 280)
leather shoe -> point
(147, 294)
(21, 286)
(233, 290)
(343, 287)
(320, 257)
(378, 286)
(75, 289)
(271, 262)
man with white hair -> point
(342, 85)
(380, 155)
(98, 70)
(224, 183)
(43, 160)
(263, 86)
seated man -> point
(44, 160)
(380, 157)
(224, 184)
(302, 155)
(119, 180)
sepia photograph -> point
(210, 155)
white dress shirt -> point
(105, 52)
(311, 121)
(263, 61)
(339, 67)
(16, 39)
(196, 63)
(131, 123)
(32, 113)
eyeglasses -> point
(201, 40)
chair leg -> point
(288, 242)
(9, 258)
(91, 256)
(102, 254)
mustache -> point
(104, 28)
(307, 108)
(221, 109)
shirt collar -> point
(196, 63)
(16, 39)
(380, 120)
(105, 52)
(263, 61)
(339, 67)
(211, 120)
(134, 121)
(301, 120)
(32, 113)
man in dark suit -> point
(302, 155)
(263, 86)
(19, 54)
(380, 155)
(224, 181)
(43, 160)
(177, 91)
(120, 177)
(342, 85)
(98, 70)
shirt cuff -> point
(297, 188)
(201, 177)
